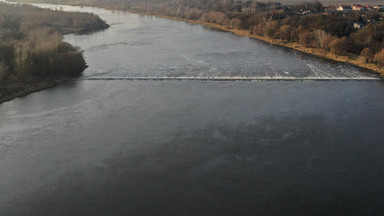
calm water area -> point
(193, 147)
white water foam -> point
(224, 78)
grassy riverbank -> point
(33, 55)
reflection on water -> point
(194, 148)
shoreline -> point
(31, 88)
(355, 60)
(292, 45)
(349, 58)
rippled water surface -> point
(192, 147)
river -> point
(129, 139)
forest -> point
(32, 49)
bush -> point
(379, 57)
(285, 32)
(338, 45)
(367, 54)
(306, 39)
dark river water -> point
(161, 147)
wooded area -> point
(32, 48)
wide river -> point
(111, 144)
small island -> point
(33, 55)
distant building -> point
(358, 25)
(379, 7)
(306, 12)
(358, 7)
(344, 8)
(242, 1)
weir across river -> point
(224, 78)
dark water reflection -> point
(193, 147)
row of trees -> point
(332, 33)
(32, 47)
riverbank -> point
(12, 91)
(350, 59)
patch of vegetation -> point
(32, 49)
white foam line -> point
(226, 78)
